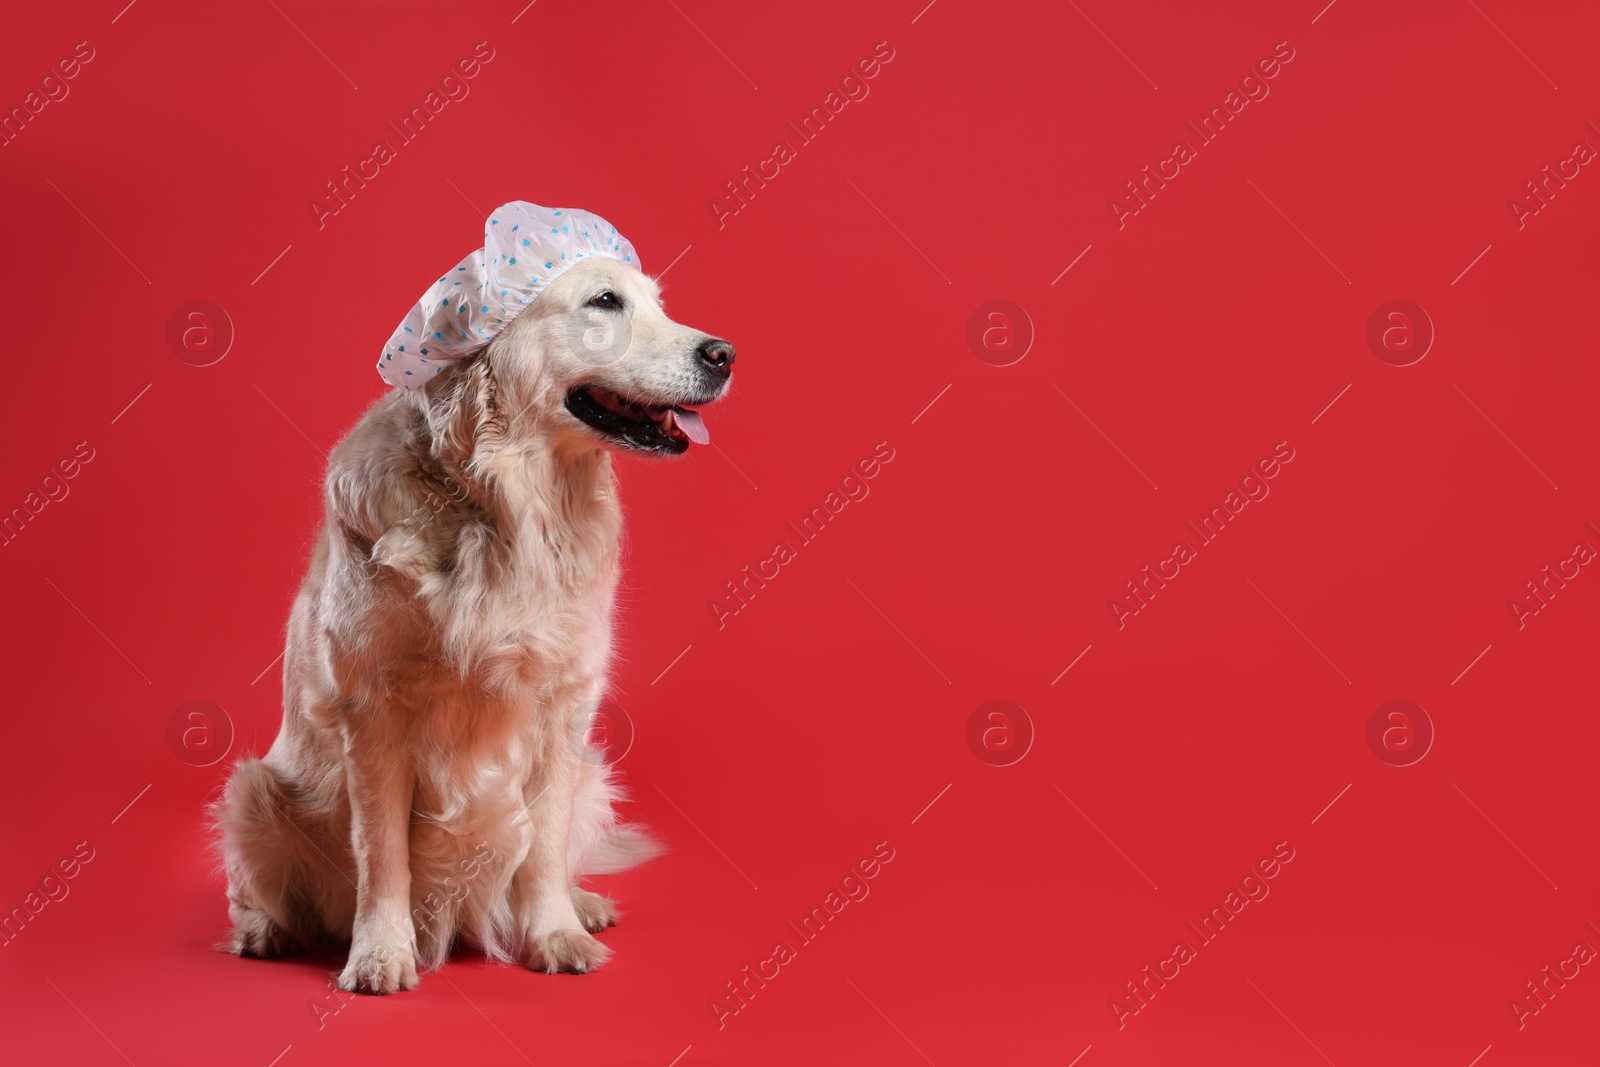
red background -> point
(826, 715)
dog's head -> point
(596, 357)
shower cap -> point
(525, 248)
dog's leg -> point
(383, 942)
(555, 936)
(290, 879)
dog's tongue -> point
(690, 423)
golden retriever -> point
(447, 650)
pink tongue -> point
(689, 422)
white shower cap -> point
(525, 248)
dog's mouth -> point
(637, 424)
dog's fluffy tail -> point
(622, 847)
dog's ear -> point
(462, 410)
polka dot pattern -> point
(525, 248)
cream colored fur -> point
(446, 653)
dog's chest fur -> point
(486, 600)
(522, 611)
(520, 604)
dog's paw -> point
(566, 951)
(256, 936)
(379, 969)
(594, 911)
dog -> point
(433, 779)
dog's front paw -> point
(594, 911)
(379, 969)
(566, 951)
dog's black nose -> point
(717, 355)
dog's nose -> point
(717, 355)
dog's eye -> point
(606, 300)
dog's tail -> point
(622, 847)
